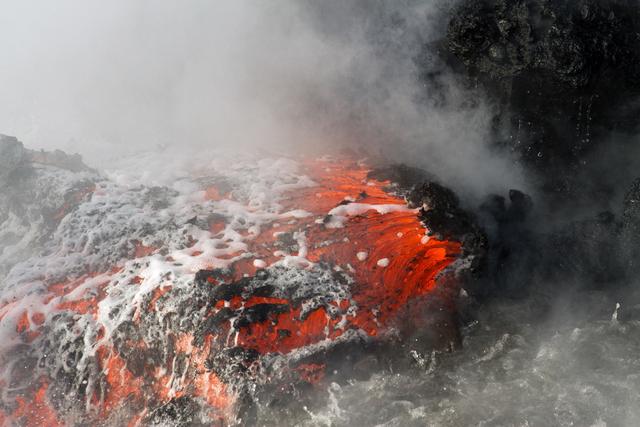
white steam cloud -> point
(110, 78)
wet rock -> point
(349, 359)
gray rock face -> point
(36, 189)
(12, 156)
(58, 158)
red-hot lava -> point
(366, 243)
(356, 227)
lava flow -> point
(376, 239)
(248, 299)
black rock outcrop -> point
(565, 75)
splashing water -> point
(514, 369)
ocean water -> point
(571, 360)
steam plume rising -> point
(106, 79)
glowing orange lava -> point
(387, 255)
(380, 293)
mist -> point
(108, 80)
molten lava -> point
(379, 292)
(353, 227)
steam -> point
(157, 85)
(111, 79)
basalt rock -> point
(443, 216)
(511, 243)
(592, 251)
(565, 75)
(405, 177)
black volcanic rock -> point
(592, 251)
(441, 210)
(575, 43)
(444, 217)
(512, 250)
(565, 74)
(406, 177)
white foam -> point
(101, 232)
(339, 214)
(383, 262)
(258, 263)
